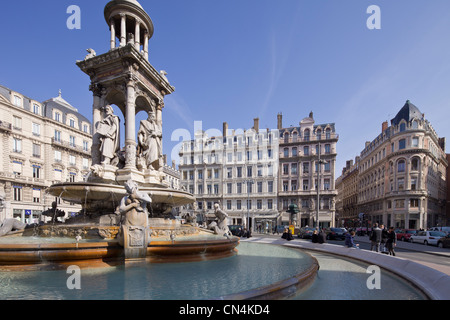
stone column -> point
(130, 126)
(113, 34)
(123, 30)
(96, 117)
(137, 35)
(146, 45)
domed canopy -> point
(133, 10)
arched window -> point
(328, 133)
(286, 137)
(415, 164)
(401, 166)
(402, 127)
(306, 134)
(294, 137)
(319, 134)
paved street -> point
(430, 256)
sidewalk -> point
(413, 247)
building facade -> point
(307, 172)
(43, 144)
(237, 170)
(402, 173)
(347, 198)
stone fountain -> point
(126, 200)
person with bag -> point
(391, 241)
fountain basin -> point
(48, 255)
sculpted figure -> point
(109, 132)
(11, 225)
(54, 213)
(134, 206)
(221, 226)
(150, 142)
(91, 54)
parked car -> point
(236, 230)
(442, 229)
(444, 242)
(405, 234)
(427, 237)
(305, 233)
(336, 233)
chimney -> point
(384, 126)
(256, 125)
(225, 129)
(280, 121)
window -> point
(17, 101)
(17, 123)
(285, 168)
(200, 189)
(305, 167)
(400, 184)
(328, 134)
(239, 172)
(414, 203)
(238, 204)
(17, 168)
(270, 186)
(36, 150)
(36, 109)
(327, 149)
(327, 167)
(249, 204)
(306, 150)
(305, 185)
(36, 129)
(72, 160)
(415, 164)
(17, 145)
(402, 127)
(36, 172)
(270, 153)
(286, 152)
(72, 141)
(413, 183)
(306, 135)
(259, 204)
(85, 146)
(294, 185)
(249, 172)
(58, 116)
(285, 185)
(401, 144)
(401, 166)
(399, 204)
(270, 204)
(85, 128)
(216, 189)
(294, 168)
(326, 184)
(228, 204)
(57, 136)
(415, 142)
(72, 177)
(58, 157)
(229, 173)
(260, 171)
(319, 135)
(229, 188)
(239, 188)
(36, 195)
(72, 123)
(294, 152)
(85, 163)
(17, 196)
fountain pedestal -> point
(135, 242)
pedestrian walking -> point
(375, 238)
(384, 236)
(391, 241)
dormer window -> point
(17, 101)
(58, 116)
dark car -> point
(305, 233)
(336, 233)
(236, 230)
(444, 242)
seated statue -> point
(221, 226)
(133, 207)
(10, 225)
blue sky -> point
(236, 60)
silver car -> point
(427, 237)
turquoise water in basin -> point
(255, 266)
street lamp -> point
(248, 182)
(319, 162)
